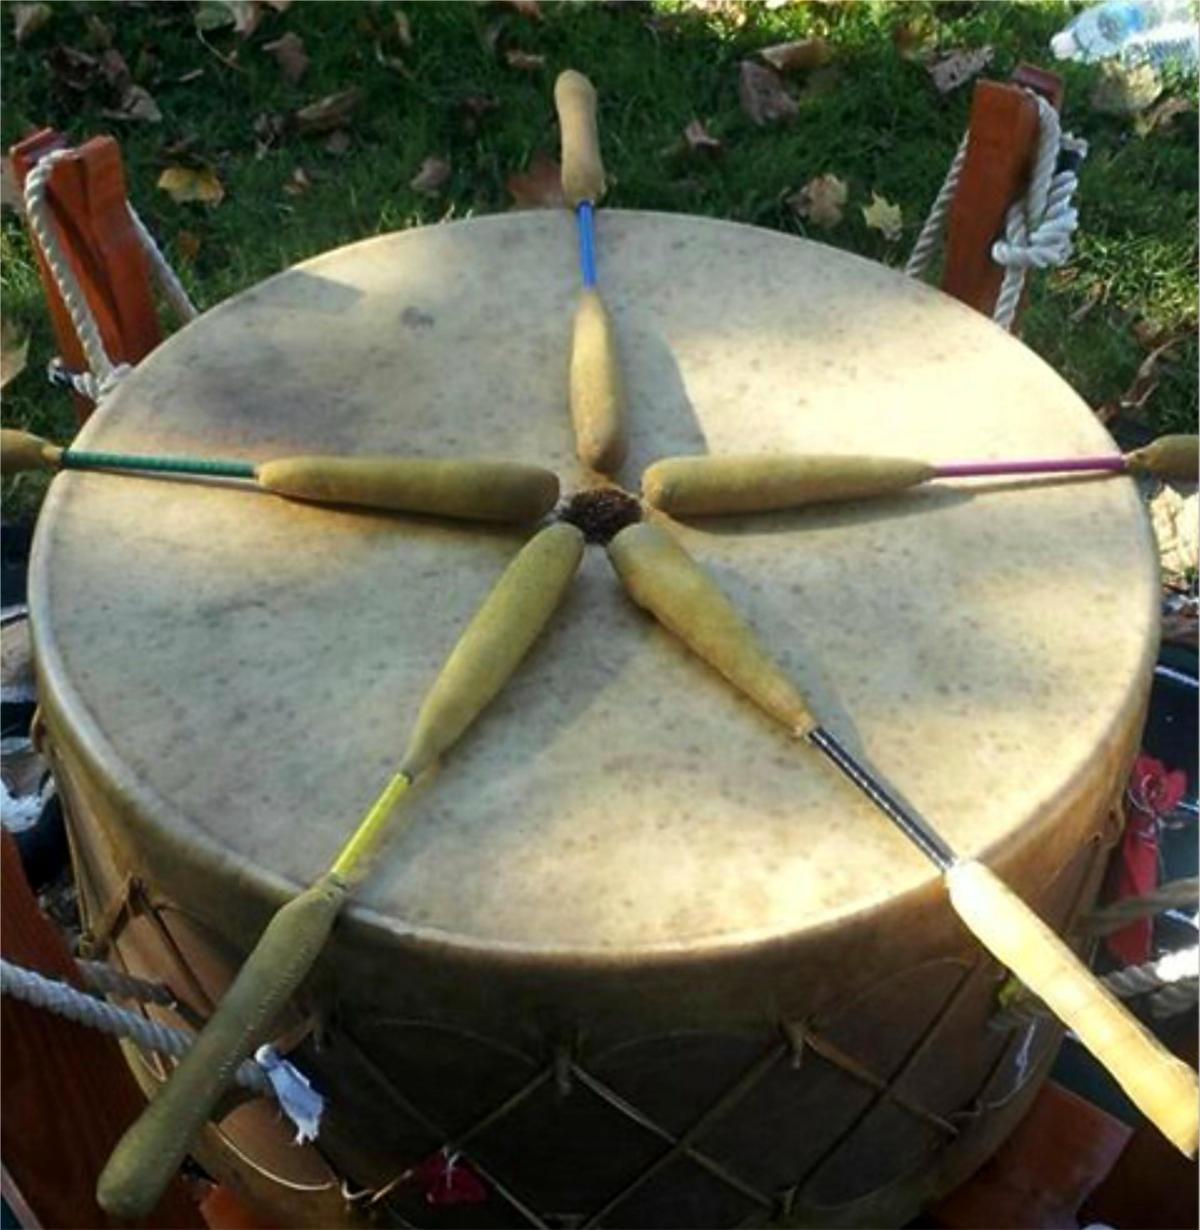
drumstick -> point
(705, 486)
(486, 655)
(471, 490)
(596, 386)
(661, 577)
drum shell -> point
(871, 1067)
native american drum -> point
(640, 959)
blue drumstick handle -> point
(585, 212)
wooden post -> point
(1000, 153)
(87, 198)
(67, 1093)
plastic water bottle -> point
(1136, 31)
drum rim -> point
(142, 805)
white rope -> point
(104, 374)
(1037, 230)
(39, 992)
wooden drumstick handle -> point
(1163, 1087)
(582, 168)
(597, 389)
(664, 579)
(21, 451)
(475, 490)
(151, 1150)
(702, 486)
(1176, 457)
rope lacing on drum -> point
(267, 1074)
(1038, 229)
(103, 374)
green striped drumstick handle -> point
(489, 651)
(661, 577)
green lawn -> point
(872, 117)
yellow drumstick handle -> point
(491, 648)
(1163, 1087)
(21, 451)
(475, 490)
(700, 486)
(1176, 457)
(664, 579)
(597, 388)
(582, 169)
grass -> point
(873, 118)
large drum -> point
(640, 960)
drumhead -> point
(243, 670)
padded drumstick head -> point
(597, 388)
(472, 490)
(664, 579)
(582, 169)
(1174, 457)
(21, 451)
(709, 486)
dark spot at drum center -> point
(601, 512)
(414, 318)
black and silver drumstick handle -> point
(664, 579)
(597, 391)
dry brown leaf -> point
(915, 39)
(527, 8)
(881, 215)
(299, 182)
(820, 201)
(137, 104)
(1123, 90)
(28, 19)
(524, 61)
(10, 191)
(193, 74)
(187, 247)
(794, 57)
(700, 140)
(14, 350)
(338, 143)
(184, 184)
(115, 71)
(956, 68)
(538, 188)
(1161, 115)
(431, 178)
(761, 92)
(280, 6)
(327, 113)
(403, 29)
(289, 53)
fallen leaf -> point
(242, 15)
(395, 63)
(820, 201)
(432, 176)
(538, 188)
(700, 140)
(280, 6)
(269, 127)
(527, 8)
(761, 92)
(1125, 91)
(136, 104)
(14, 350)
(193, 74)
(403, 29)
(99, 35)
(115, 71)
(524, 61)
(28, 19)
(338, 143)
(76, 70)
(881, 215)
(1090, 300)
(289, 53)
(1161, 115)
(299, 183)
(1145, 382)
(794, 57)
(327, 113)
(956, 68)
(184, 184)
(187, 247)
(10, 192)
(916, 38)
